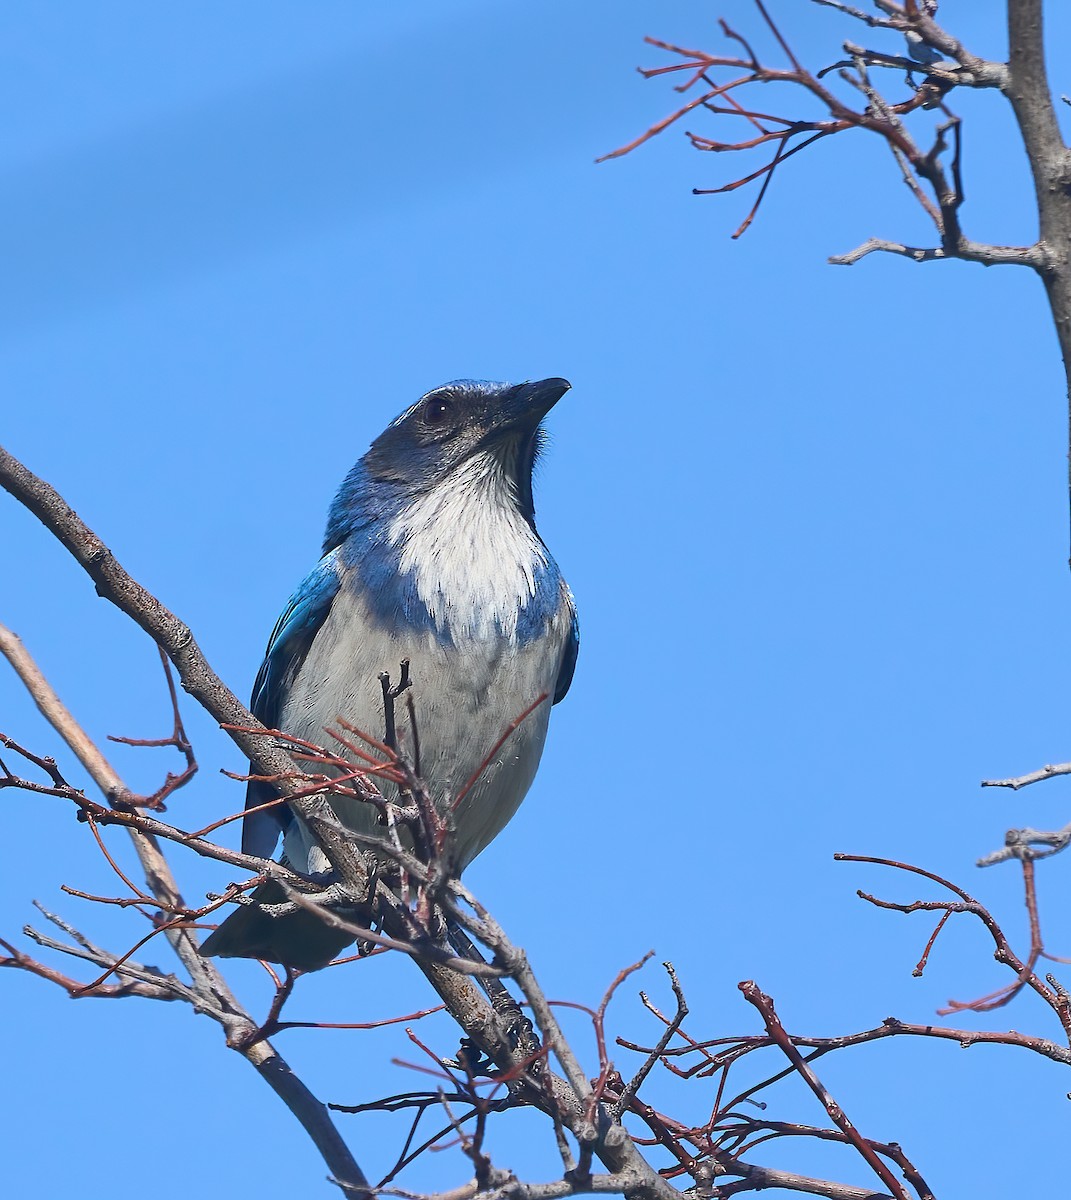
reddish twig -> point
(511, 728)
(1025, 975)
(75, 989)
(177, 738)
(837, 1115)
(951, 66)
(671, 1027)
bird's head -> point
(451, 424)
(459, 424)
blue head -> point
(446, 428)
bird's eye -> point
(437, 409)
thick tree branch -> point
(1027, 89)
(166, 630)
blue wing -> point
(288, 647)
(565, 671)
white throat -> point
(470, 551)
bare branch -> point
(1025, 975)
(979, 252)
(1047, 772)
(209, 989)
(170, 634)
(773, 1025)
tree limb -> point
(213, 995)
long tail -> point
(297, 939)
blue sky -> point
(814, 518)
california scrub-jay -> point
(431, 554)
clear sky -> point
(814, 518)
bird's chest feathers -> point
(475, 564)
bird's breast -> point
(466, 692)
(461, 562)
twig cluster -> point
(514, 1051)
(934, 66)
(444, 922)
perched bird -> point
(431, 554)
(921, 51)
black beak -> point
(528, 403)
